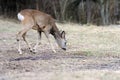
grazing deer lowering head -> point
(42, 22)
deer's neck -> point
(55, 33)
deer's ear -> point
(63, 34)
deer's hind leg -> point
(27, 23)
(29, 46)
(37, 42)
(21, 35)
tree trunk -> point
(102, 11)
(88, 10)
(37, 4)
(107, 12)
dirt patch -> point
(60, 61)
(30, 66)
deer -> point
(42, 23)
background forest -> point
(99, 12)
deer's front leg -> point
(47, 35)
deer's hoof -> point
(20, 52)
(54, 51)
(34, 51)
(30, 50)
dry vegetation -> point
(93, 40)
(92, 54)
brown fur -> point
(42, 22)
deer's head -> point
(61, 40)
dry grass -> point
(78, 75)
(82, 39)
(91, 40)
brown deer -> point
(42, 22)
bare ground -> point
(46, 65)
(73, 64)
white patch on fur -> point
(20, 17)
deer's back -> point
(40, 18)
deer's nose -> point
(64, 48)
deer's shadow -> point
(48, 56)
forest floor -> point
(93, 53)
